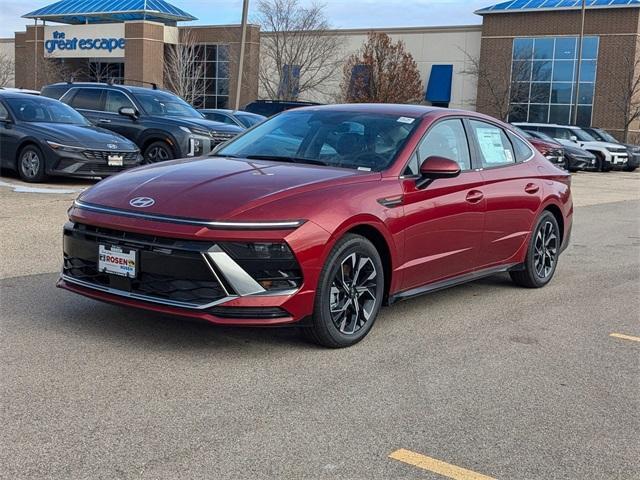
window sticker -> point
(407, 120)
(491, 145)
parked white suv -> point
(607, 154)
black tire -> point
(628, 168)
(157, 151)
(31, 164)
(545, 241)
(346, 325)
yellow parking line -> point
(436, 466)
(625, 337)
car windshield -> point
(582, 135)
(606, 136)
(524, 133)
(166, 105)
(249, 120)
(544, 136)
(357, 140)
(44, 110)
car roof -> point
(15, 94)
(555, 125)
(128, 88)
(407, 110)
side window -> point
(495, 147)
(87, 99)
(446, 139)
(115, 101)
(521, 149)
(4, 113)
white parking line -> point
(26, 189)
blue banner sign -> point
(60, 42)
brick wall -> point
(618, 29)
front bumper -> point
(575, 162)
(188, 277)
(90, 163)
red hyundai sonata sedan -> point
(319, 216)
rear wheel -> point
(349, 294)
(31, 166)
(542, 255)
(158, 152)
(629, 168)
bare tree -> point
(184, 70)
(625, 96)
(7, 70)
(52, 70)
(381, 72)
(98, 71)
(299, 54)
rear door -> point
(89, 101)
(9, 137)
(512, 191)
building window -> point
(98, 71)
(289, 87)
(215, 61)
(543, 79)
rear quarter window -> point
(521, 150)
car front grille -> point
(104, 155)
(220, 137)
(172, 272)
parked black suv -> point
(41, 136)
(268, 108)
(163, 125)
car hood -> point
(213, 188)
(201, 123)
(573, 150)
(81, 136)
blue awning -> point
(109, 11)
(439, 88)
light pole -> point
(576, 94)
(245, 13)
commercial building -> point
(521, 63)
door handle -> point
(104, 120)
(474, 196)
(531, 188)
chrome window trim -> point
(283, 225)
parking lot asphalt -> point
(486, 378)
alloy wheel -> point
(157, 154)
(30, 164)
(545, 249)
(353, 293)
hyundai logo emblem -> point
(141, 202)
(112, 146)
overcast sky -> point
(341, 13)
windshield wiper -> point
(277, 158)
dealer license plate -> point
(117, 261)
(115, 160)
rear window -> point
(87, 99)
(54, 91)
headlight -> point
(64, 148)
(271, 264)
(195, 131)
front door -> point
(446, 219)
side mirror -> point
(573, 138)
(436, 167)
(128, 112)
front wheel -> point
(31, 166)
(157, 152)
(349, 294)
(542, 255)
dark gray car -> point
(162, 124)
